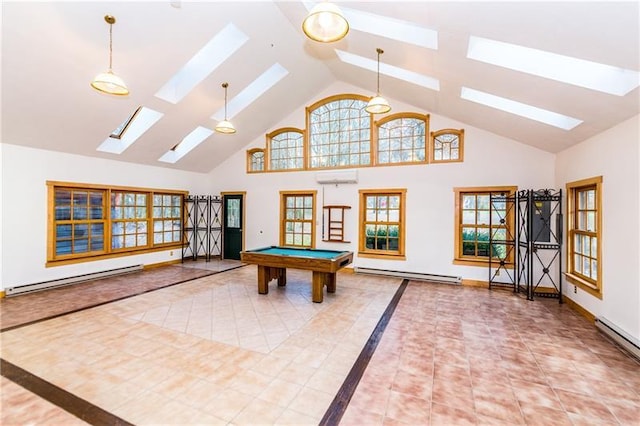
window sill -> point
(584, 285)
(382, 256)
(481, 263)
(95, 257)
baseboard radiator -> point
(45, 285)
(629, 343)
(447, 279)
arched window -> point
(402, 138)
(447, 146)
(339, 132)
(286, 149)
(255, 160)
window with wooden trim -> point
(382, 223)
(447, 146)
(87, 222)
(286, 149)
(481, 214)
(402, 138)
(167, 218)
(584, 220)
(255, 160)
(297, 218)
(79, 221)
(339, 132)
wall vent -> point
(45, 285)
(629, 343)
(337, 176)
(446, 279)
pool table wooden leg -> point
(268, 273)
(317, 284)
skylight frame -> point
(122, 128)
(143, 120)
(531, 112)
(188, 143)
(578, 72)
(215, 52)
(252, 92)
(389, 70)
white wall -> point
(489, 160)
(614, 155)
(24, 207)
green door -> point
(232, 232)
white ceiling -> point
(51, 51)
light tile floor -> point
(213, 351)
(209, 351)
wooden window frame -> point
(398, 116)
(268, 149)
(308, 135)
(458, 257)
(432, 147)
(283, 219)
(108, 252)
(375, 253)
(250, 154)
(591, 286)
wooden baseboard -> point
(348, 270)
(475, 283)
(579, 309)
(159, 264)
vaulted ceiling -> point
(52, 50)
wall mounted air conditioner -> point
(337, 176)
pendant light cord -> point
(110, 45)
(379, 52)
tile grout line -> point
(338, 406)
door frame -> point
(243, 194)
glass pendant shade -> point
(108, 82)
(325, 23)
(377, 105)
(225, 126)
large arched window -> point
(402, 138)
(286, 149)
(339, 132)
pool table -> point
(273, 262)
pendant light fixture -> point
(378, 104)
(325, 23)
(108, 82)
(225, 125)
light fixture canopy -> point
(108, 82)
(378, 104)
(225, 125)
(325, 23)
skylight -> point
(591, 75)
(390, 70)
(517, 108)
(203, 63)
(193, 139)
(384, 26)
(139, 123)
(253, 91)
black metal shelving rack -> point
(539, 242)
(202, 236)
(502, 241)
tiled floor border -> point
(79, 407)
(339, 404)
(13, 327)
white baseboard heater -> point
(44, 285)
(447, 279)
(629, 343)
